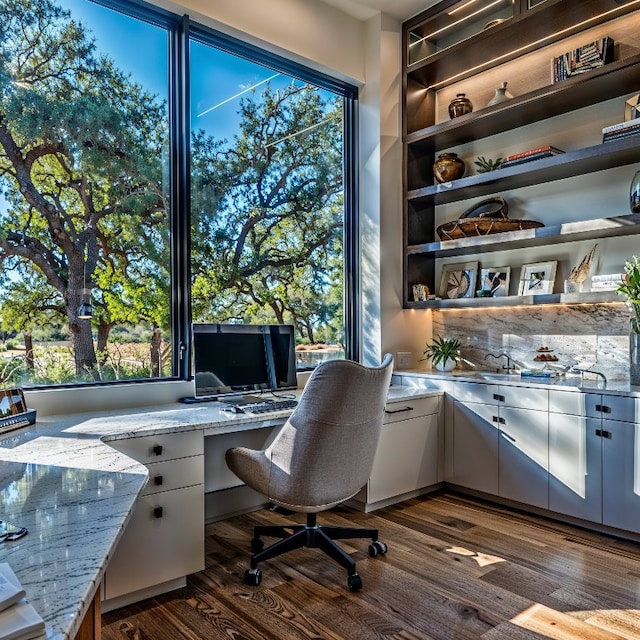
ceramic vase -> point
(459, 106)
(634, 193)
(448, 167)
(448, 365)
(501, 95)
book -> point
(18, 620)
(608, 277)
(628, 124)
(617, 135)
(591, 55)
(10, 588)
(530, 152)
(536, 156)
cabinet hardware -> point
(158, 480)
(603, 433)
(498, 419)
(157, 512)
(407, 408)
(157, 449)
(498, 397)
(603, 408)
(507, 436)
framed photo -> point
(537, 278)
(632, 108)
(458, 280)
(495, 280)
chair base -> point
(312, 536)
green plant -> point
(442, 349)
(630, 288)
(484, 165)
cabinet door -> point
(621, 475)
(575, 466)
(475, 447)
(406, 458)
(159, 546)
(524, 456)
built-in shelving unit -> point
(549, 22)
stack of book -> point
(18, 619)
(533, 154)
(606, 282)
(589, 56)
(621, 130)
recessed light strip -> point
(496, 60)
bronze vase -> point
(448, 167)
(459, 106)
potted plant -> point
(630, 288)
(444, 353)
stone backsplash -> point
(587, 336)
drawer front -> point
(622, 408)
(523, 397)
(411, 408)
(164, 540)
(568, 402)
(174, 474)
(475, 392)
(164, 446)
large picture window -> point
(100, 274)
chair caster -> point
(377, 548)
(257, 545)
(252, 577)
(354, 582)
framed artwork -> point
(495, 280)
(537, 278)
(632, 108)
(458, 280)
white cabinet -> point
(408, 453)
(595, 458)
(164, 539)
(500, 444)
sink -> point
(489, 375)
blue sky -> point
(218, 79)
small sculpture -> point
(579, 273)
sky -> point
(218, 79)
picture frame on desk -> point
(537, 278)
(495, 280)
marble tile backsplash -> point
(587, 336)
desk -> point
(76, 494)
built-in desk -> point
(76, 494)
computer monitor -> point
(231, 359)
(283, 350)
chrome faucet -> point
(574, 369)
(510, 365)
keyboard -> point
(265, 406)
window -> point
(99, 192)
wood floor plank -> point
(457, 569)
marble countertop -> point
(74, 493)
(588, 383)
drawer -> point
(523, 397)
(174, 474)
(568, 402)
(164, 446)
(475, 392)
(411, 408)
(622, 408)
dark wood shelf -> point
(552, 21)
(520, 301)
(556, 234)
(613, 80)
(565, 165)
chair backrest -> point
(324, 453)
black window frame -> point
(181, 29)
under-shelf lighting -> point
(493, 61)
(457, 22)
(461, 7)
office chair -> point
(321, 457)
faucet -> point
(575, 369)
(510, 365)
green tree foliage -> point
(268, 215)
(80, 165)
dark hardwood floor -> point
(457, 568)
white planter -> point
(447, 365)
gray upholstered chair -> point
(321, 457)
